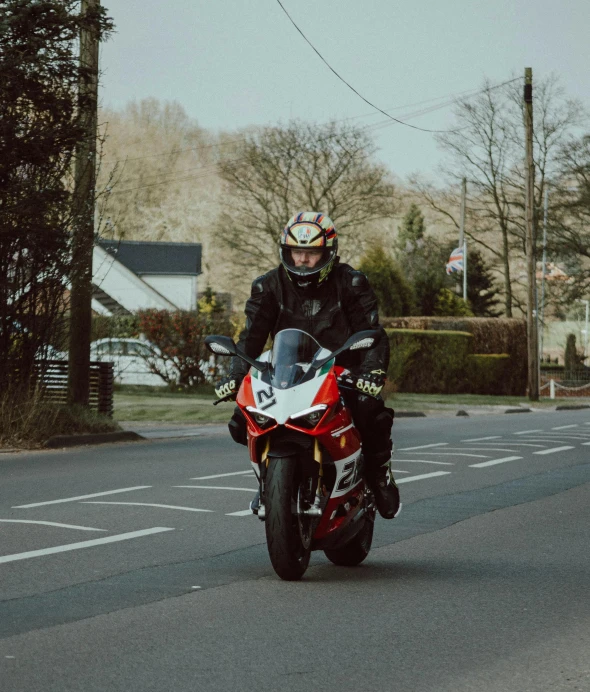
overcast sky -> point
(233, 63)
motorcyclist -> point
(312, 291)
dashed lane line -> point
(82, 497)
(553, 450)
(512, 444)
(493, 462)
(82, 544)
(423, 476)
(481, 439)
(249, 472)
(216, 487)
(482, 449)
(146, 504)
(49, 523)
(526, 432)
(241, 513)
(452, 454)
(435, 444)
(565, 427)
(585, 444)
(424, 461)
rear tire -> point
(356, 550)
(288, 535)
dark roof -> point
(156, 258)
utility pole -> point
(462, 241)
(532, 338)
(543, 270)
(83, 212)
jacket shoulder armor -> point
(355, 278)
(264, 281)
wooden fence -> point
(52, 379)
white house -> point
(132, 275)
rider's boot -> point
(381, 481)
(255, 503)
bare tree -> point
(277, 171)
(487, 148)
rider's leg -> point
(374, 422)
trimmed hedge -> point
(491, 335)
(428, 362)
(488, 373)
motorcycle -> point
(305, 451)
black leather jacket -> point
(343, 305)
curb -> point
(572, 407)
(92, 439)
(517, 410)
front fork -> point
(315, 509)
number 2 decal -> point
(348, 477)
(265, 395)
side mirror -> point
(221, 345)
(224, 346)
(361, 340)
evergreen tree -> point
(411, 232)
(482, 293)
(393, 291)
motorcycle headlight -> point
(261, 419)
(309, 417)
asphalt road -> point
(134, 567)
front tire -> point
(356, 550)
(288, 534)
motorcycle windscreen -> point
(292, 354)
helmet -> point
(309, 230)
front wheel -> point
(288, 533)
(356, 550)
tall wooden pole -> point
(83, 213)
(532, 337)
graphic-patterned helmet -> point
(309, 230)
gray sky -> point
(233, 63)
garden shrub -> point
(487, 373)
(490, 335)
(428, 361)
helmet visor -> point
(305, 261)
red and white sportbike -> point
(305, 451)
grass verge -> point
(176, 408)
(27, 422)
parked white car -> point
(128, 358)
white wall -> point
(180, 290)
(125, 286)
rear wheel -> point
(356, 550)
(288, 533)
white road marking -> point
(452, 454)
(493, 462)
(82, 544)
(585, 444)
(82, 497)
(49, 523)
(512, 444)
(526, 432)
(249, 472)
(553, 450)
(436, 444)
(424, 461)
(241, 513)
(398, 470)
(215, 487)
(565, 427)
(481, 439)
(483, 449)
(422, 476)
(146, 504)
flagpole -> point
(462, 241)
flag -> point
(455, 263)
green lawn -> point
(172, 407)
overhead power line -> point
(391, 117)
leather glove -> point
(371, 383)
(228, 385)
